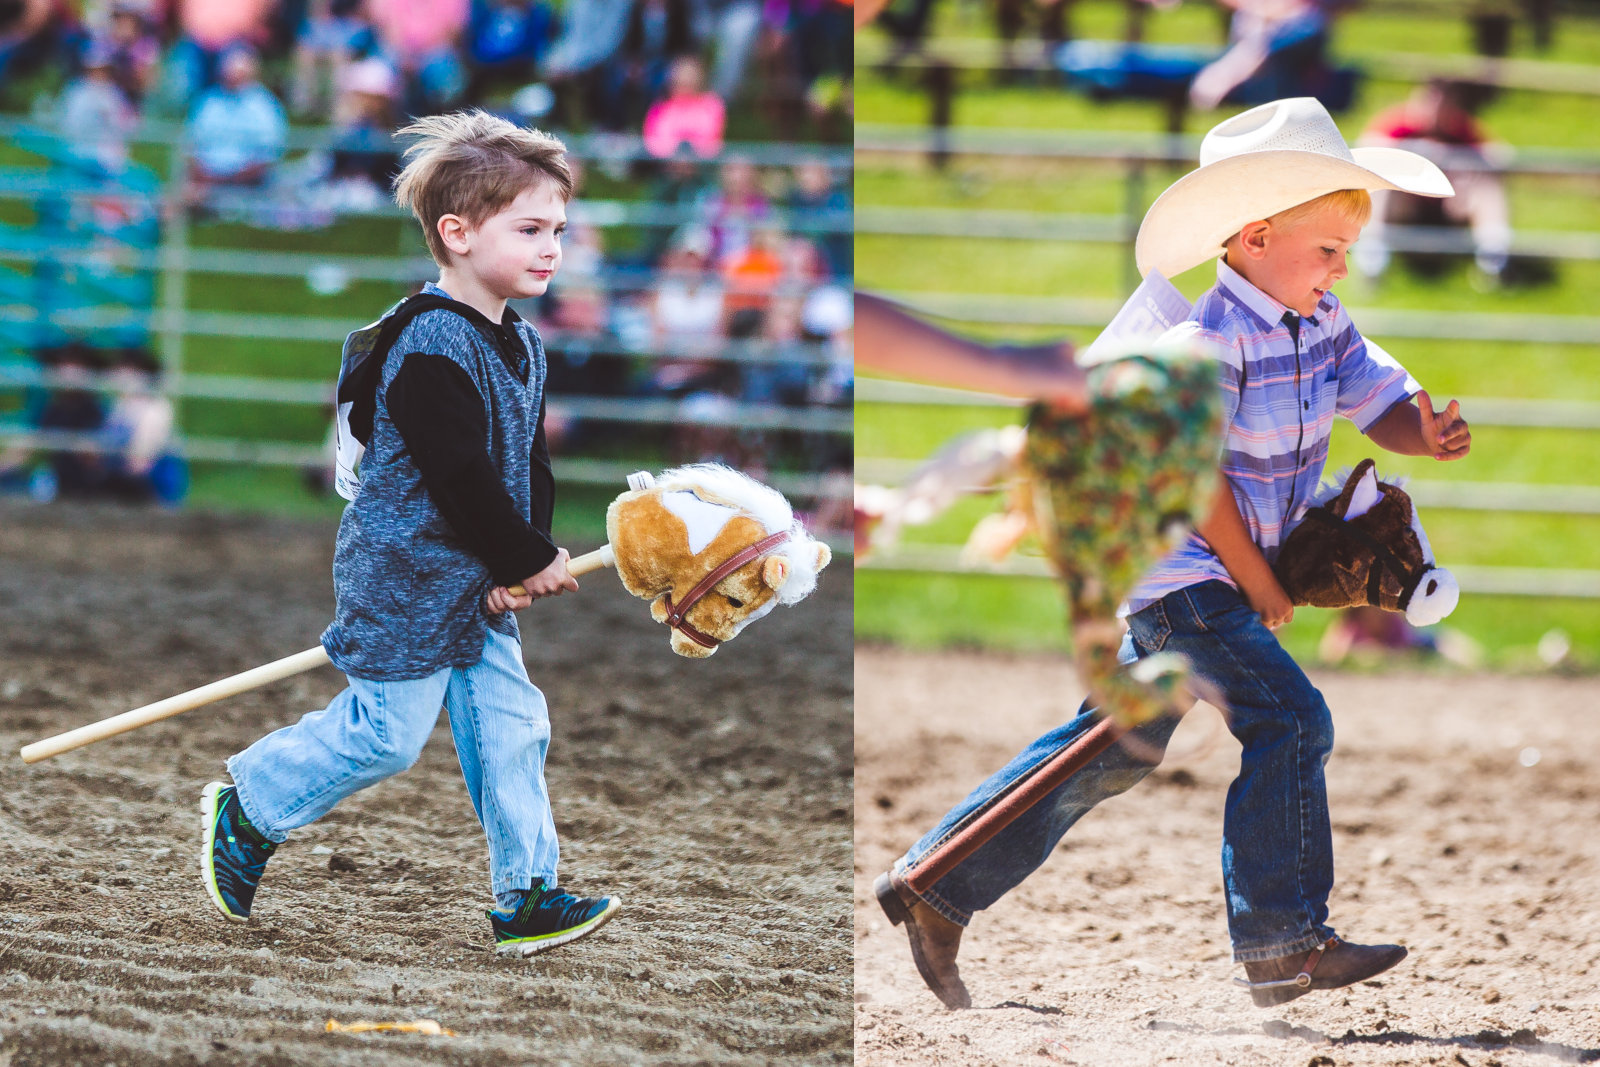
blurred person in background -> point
(238, 131)
(361, 157)
(1437, 121)
(506, 41)
(591, 32)
(95, 117)
(681, 183)
(208, 30)
(73, 408)
(34, 33)
(135, 48)
(753, 273)
(783, 375)
(658, 33)
(141, 462)
(1279, 46)
(422, 40)
(1363, 630)
(326, 43)
(734, 208)
(708, 428)
(687, 115)
(827, 319)
(688, 314)
(815, 200)
(737, 25)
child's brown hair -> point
(472, 164)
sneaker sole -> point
(528, 946)
(208, 834)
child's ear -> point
(453, 232)
(1253, 238)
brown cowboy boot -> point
(935, 940)
(1331, 965)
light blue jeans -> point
(1277, 845)
(501, 727)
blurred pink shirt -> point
(418, 28)
(696, 119)
(215, 24)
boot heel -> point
(889, 900)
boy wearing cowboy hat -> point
(1280, 197)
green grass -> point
(939, 610)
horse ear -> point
(1364, 496)
(775, 571)
(824, 555)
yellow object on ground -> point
(362, 1026)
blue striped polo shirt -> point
(1279, 396)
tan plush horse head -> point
(713, 550)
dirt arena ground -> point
(713, 796)
(1115, 954)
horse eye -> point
(736, 602)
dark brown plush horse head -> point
(1363, 544)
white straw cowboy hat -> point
(1259, 163)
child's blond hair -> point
(1352, 205)
(472, 164)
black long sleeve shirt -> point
(440, 416)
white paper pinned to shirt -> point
(1153, 309)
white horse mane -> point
(764, 504)
(1328, 490)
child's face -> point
(515, 252)
(1296, 264)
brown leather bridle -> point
(678, 614)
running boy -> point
(454, 505)
(1281, 197)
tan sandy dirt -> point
(713, 796)
(1116, 953)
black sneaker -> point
(547, 918)
(232, 852)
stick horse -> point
(710, 547)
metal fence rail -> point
(1498, 581)
(69, 181)
(1486, 411)
(1113, 229)
(1376, 322)
(1489, 497)
(577, 470)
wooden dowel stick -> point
(162, 709)
(232, 686)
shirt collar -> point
(1266, 308)
(509, 321)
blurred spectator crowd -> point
(715, 280)
(237, 70)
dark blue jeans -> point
(1277, 848)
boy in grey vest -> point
(452, 508)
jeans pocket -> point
(1150, 628)
(1218, 606)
